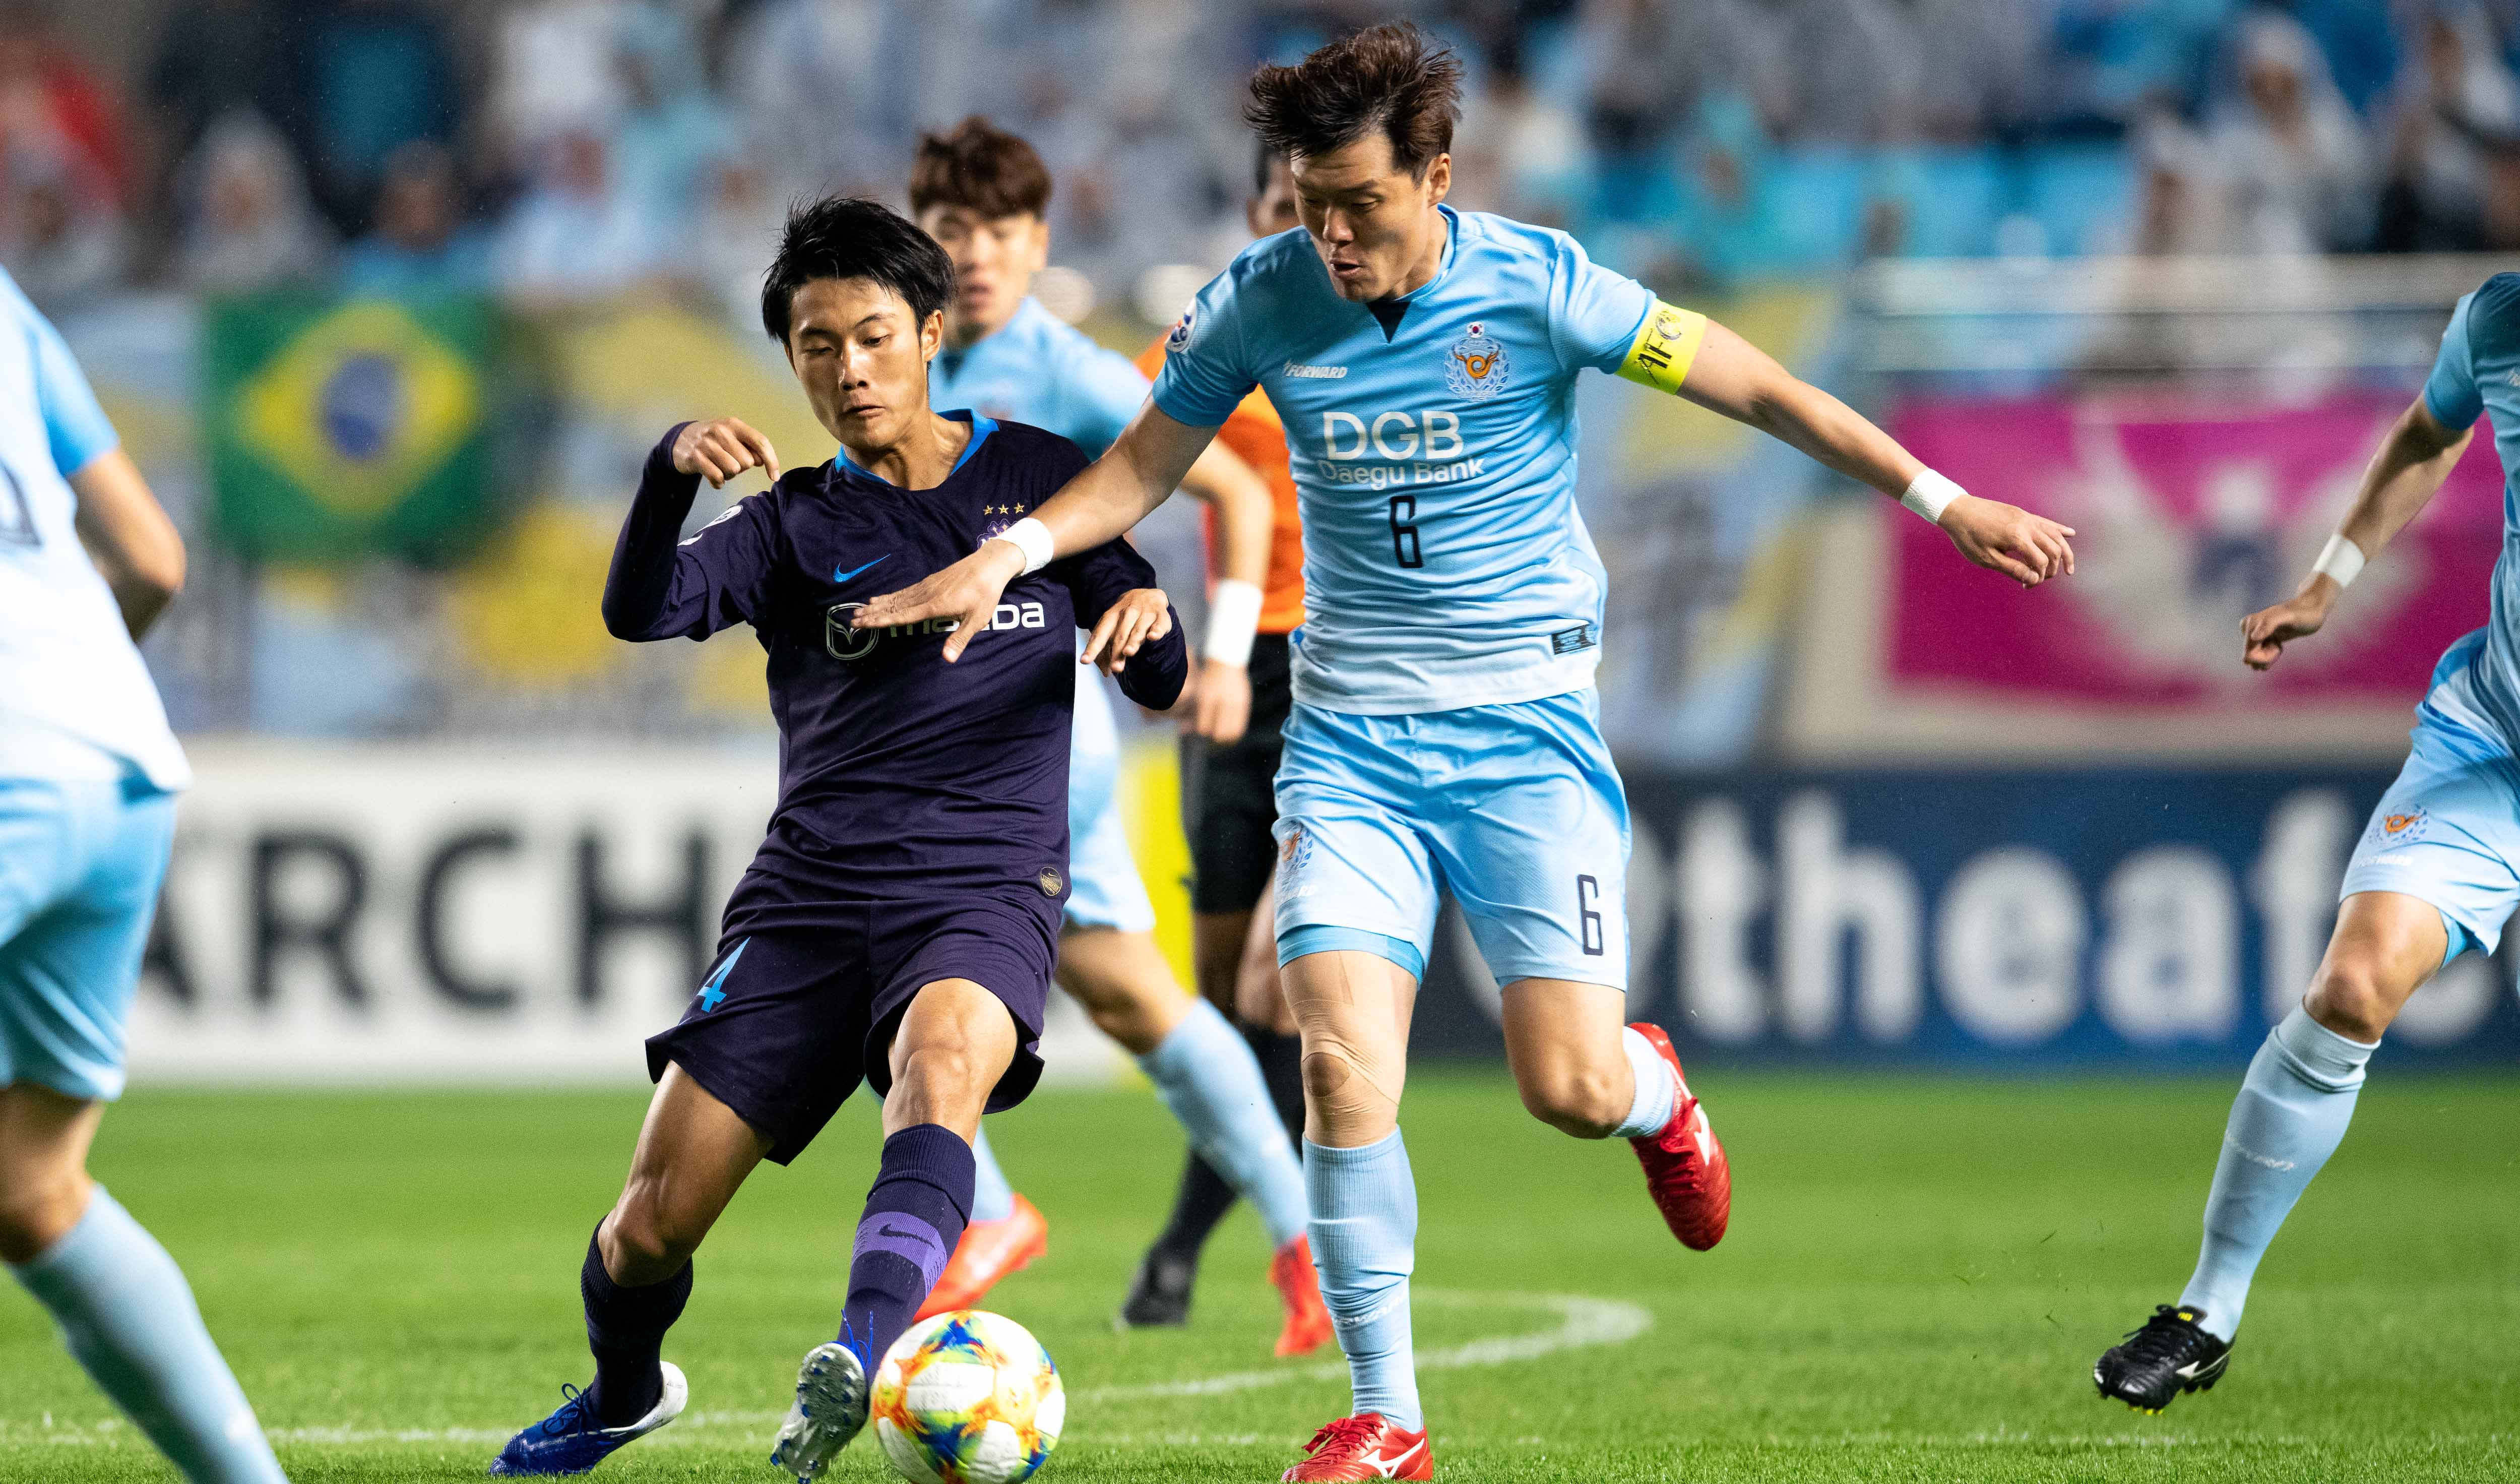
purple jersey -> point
(900, 776)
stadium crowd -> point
(560, 148)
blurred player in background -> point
(2436, 873)
(88, 778)
(900, 919)
(984, 195)
(1445, 736)
(1229, 807)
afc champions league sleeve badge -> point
(1179, 340)
(1475, 365)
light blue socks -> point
(2289, 1117)
(128, 1316)
(1207, 1074)
(1657, 1089)
(991, 1198)
(1364, 1241)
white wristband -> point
(1930, 495)
(1032, 538)
(2341, 560)
(1232, 618)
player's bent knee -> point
(1584, 1102)
(646, 1240)
(2355, 996)
(36, 1213)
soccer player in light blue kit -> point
(88, 778)
(2437, 872)
(1445, 736)
(982, 194)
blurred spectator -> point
(1524, 151)
(2453, 89)
(553, 70)
(1729, 214)
(1987, 58)
(63, 245)
(2292, 153)
(248, 221)
(573, 233)
(215, 58)
(807, 73)
(421, 243)
(1858, 71)
(671, 136)
(52, 102)
(366, 77)
(2360, 39)
(738, 239)
(2113, 58)
(2180, 196)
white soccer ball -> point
(968, 1398)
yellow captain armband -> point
(1665, 345)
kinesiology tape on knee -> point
(1343, 1072)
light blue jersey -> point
(87, 765)
(2447, 831)
(75, 697)
(1036, 369)
(1433, 447)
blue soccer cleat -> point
(568, 1441)
(830, 1409)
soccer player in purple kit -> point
(900, 921)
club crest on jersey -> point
(1475, 365)
(2404, 828)
(1179, 339)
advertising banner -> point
(454, 915)
(2189, 515)
(1998, 922)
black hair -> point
(1390, 80)
(852, 237)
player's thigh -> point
(2444, 840)
(1123, 982)
(1353, 1009)
(1354, 870)
(955, 1041)
(44, 1140)
(68, 973)
(694, 1153)
(1563, 1040)
(1534, 846)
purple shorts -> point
(791, 1019)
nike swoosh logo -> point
(841, 576)
(889, 1229)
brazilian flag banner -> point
(344, 429)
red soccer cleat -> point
(1366, 1446)
(1308, 1323)
(1685, 1170)
(988, 1252)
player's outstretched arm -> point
(129, 537)
(2402, 479)
(1140, 470)
(1743, 382)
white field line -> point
(1581, 1322)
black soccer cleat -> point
(1159, 1295)
(2171, 1354)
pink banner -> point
(2191, 512)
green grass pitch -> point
(1918, 1276)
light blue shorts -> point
(1513, 810)
(1104, 886)
(80, 865)
(2447, 831)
